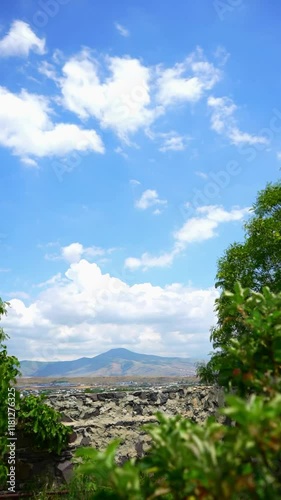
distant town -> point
(49, 386)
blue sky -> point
(134, 137)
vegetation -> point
(8, 373)
(32, 417)
(211, 461)
(42, 423)
(234, 460)
(255, 263)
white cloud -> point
(223, 122)
(149, 198)
(196, 229)
(125, 95)
(122, 30)
(27, 129)
(57, 278)
(134, 182)
(20, 40)
(29, 162)
(121, 152)
(203, 227)
(187, 81)
(75, 251)
(147, 261)
(86, 312)
(121, 101)
(47, 69)
(203, 175)
(173, 142)
(221, 55)
(278, 155)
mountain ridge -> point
(115, 362)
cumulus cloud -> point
(75, 251)
(20, 41)
(203, 226)
(223, 122)
(85, 312)
(125, 95)
(120, 101)
(149, 198)
(196, 229)
(187, 81)
(27, 129)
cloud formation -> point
(75, 251)
(200, 228)
(187, 81)
(122, 30)
(149, 198)
(27, 129)
(121, 101)
(20, 41)
(224, 122)
(86, 312)
(125, 96)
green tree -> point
(255, 263)
(212, 461)
(8, 373)
(33, 417)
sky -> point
(134, 137)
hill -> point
(116, 362)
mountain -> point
(116, 362)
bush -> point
(33, 417)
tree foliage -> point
(255, 263)
(9, 370)
(211, 461)
(33, 418)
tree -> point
(189, 461)
(255, 263)
(30, 415)
(8, 373)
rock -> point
(66, 418)
(97, 419)
(85, 441)
(139, 449)
(66, 469)
(163, 398)
(72, 438)
(90, 413)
